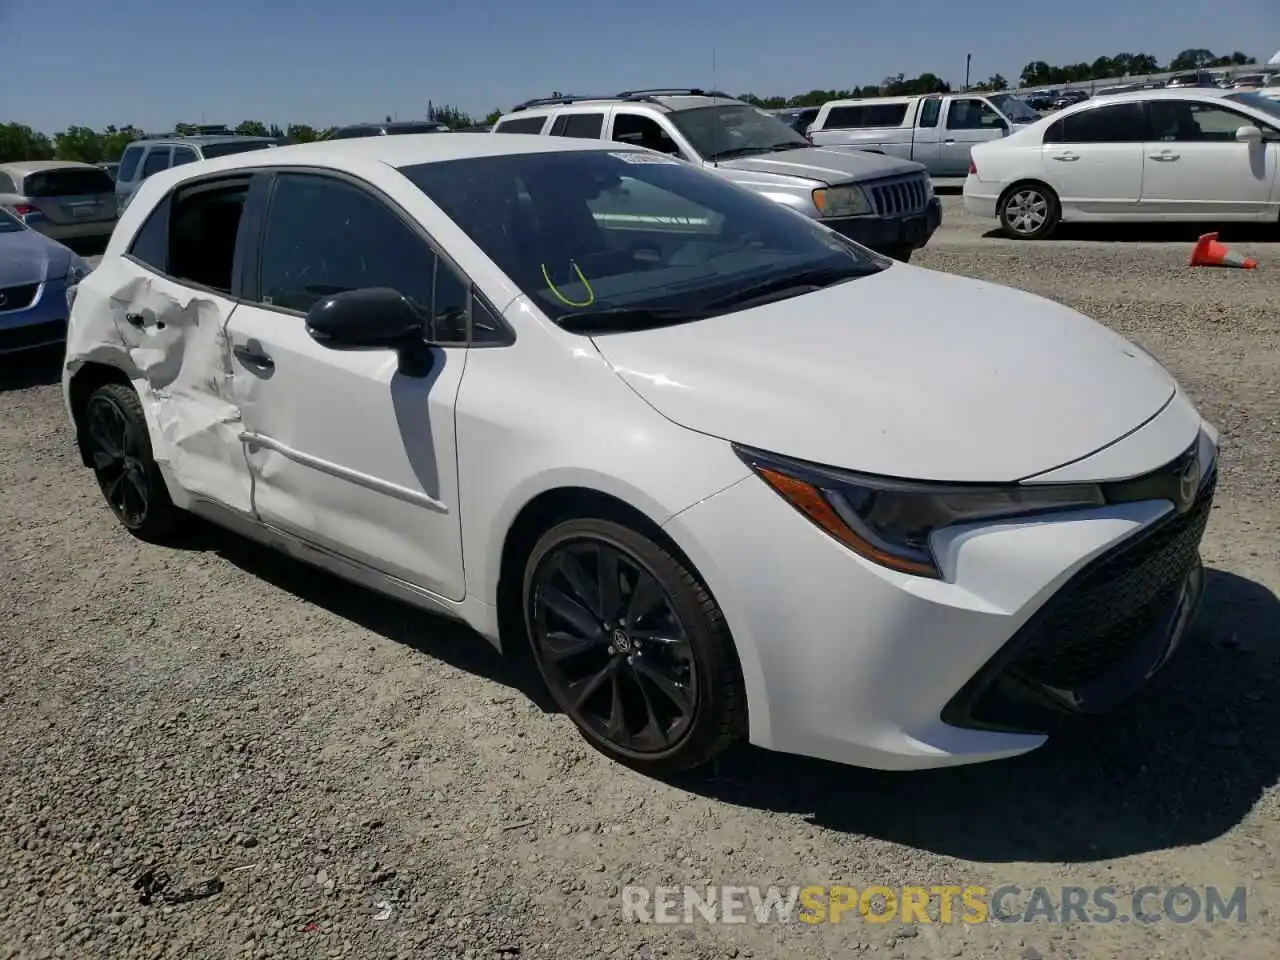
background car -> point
(798, 118)
(146, 157)
(1185, 154)
(64, 200)
(35, 272)
(1069, 98)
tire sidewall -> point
(1051, 217)
(161, 514)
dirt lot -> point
(334, 759)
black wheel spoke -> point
(647, 598)
(584, 592)
(560, 645)
(653, 731)
(616, 726)
(104, 431)
(610, 592)
(584, 689)
(570, 611)
(670, 639)
(136, 489)
(675, 692)
(114, 491)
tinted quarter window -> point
(587, 126)
(326, 236)
(842, 118)
(885, 114)
(151, 243)
(157, 160)
(129, 164)
(1115, 123)
(521, 125)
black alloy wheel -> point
(631, 646)
(119, 450)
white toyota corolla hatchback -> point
(728, 474)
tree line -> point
(20, 142)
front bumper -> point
(889, 235)
(1035, 620)
(40, 321)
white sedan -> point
(725, 473)
(1191, 154)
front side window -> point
(1189, 121)
(157, 160)
(1015, 109)
(729, 130)
(642, 131)
(325, 236)
(621, 230)
(1115, 123)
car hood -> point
(30, 257)
(824, 165)
(907, 373)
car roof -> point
(1164, 93)
(34, 166)
(404, 151)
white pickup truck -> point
(936, 130)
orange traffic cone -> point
(1210, 253)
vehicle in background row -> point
(1189, 154)
(798, 118)
(35, 272)
(142, 158)
(1249, 81)
(727, 477)
(1040, 100)
(62, 199)
(111, 168)
(936, 130)
(1272, 90)
(1200, 79)
(386, 129)
(1069, 98)
(884, 203)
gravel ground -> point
(364, 781)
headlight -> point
(928, 188)
(890, 521)
(845, 201)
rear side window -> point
(1115, 123)
(587, 126)
(157, 160)
(929, 113)
(191, 235)
(183, 155)
(70, 182)
(129, 164)
(520, 125)
(843, 118)
(211, 150)
(885, 114)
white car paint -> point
(908, 373)
(1151, 180)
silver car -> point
(59, 198)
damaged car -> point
(726, 473)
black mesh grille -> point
(17, 298)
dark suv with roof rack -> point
(885, 203)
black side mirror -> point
(373, 318)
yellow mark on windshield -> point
(591, 294)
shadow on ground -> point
(1186, 233)
(31, 368)
(1182, 764)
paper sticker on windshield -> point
(636, 157)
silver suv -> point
(882, 202)
(142, 158)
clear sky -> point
(155, 63)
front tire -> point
(632, 647)
(1029, 211)
(118, 445)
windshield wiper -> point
(738, 152)
(800, 282)
(623, 319)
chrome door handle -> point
(253, 358)
(1066, 157)
(1165, 157)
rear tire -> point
(118, 445)
(1029, 211)
(632, 647)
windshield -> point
(594, 231)
(734, 130)
(1013, 108)
(1256, 100)
(9, 223)
(211, 150)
